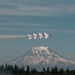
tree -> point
(33, 70)
(55, 70)
(67, 71)
(21, 70)
(16, 69)
(44, 70)
(48, 70)
(28, 70)
(52, 70)
(1, 69)
(61, 71)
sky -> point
(23, 17)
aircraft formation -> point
(35, 36)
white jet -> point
(45, 35)
(40, 35)
(29, 37)
(34, 36)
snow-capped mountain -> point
(42, 56)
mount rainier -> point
(42, 57)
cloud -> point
(62, 31)
(66, 31)
(14, 47)
(56, 30)
(13, 29)
(37, 29)
(25, 24)
(37, 8)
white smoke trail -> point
(11, 36)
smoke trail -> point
(11, 36)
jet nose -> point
(49, 34)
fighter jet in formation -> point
(35, 36)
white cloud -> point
(57, 30)
(14, 47)
(62, 31)
(13, 29)
(23, 24)
(66, 31)
(35, 8)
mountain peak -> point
(40, 49)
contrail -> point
(11, 36)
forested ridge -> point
(16, 70)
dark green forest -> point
(16, 70)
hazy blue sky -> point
(21, 17)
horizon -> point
(56, 17)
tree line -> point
(16, 70)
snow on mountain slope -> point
(41, 55)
